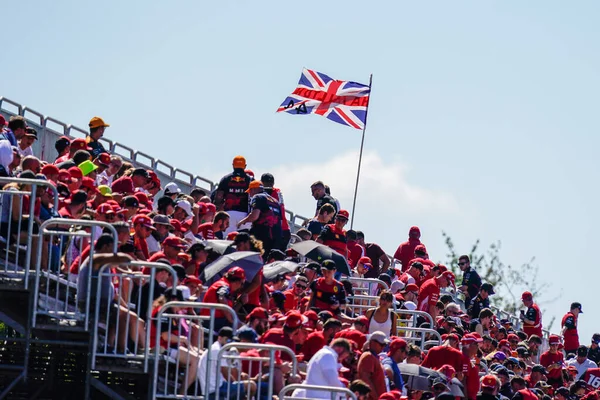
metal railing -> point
(231, 354)
(367, 286)
(184, 355)
(423, 336)
(55, 294)
(307, 392)
(120, 326)
(17, 217)
(414, 317)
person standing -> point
(569, 328)
(318, 192)
(231, 194)
(406, 250)
(334, 235)
(395, 355)
(379, 260)
(532, 318)
(268, 181)
(97, 128)
(265, 217)
(369, 367)
(471, 282)
(430, 292)
(481, 301)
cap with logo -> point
(29, 131)
(103, 159)
(61, 143)
(131, 201)
(343, 214)
(554, 340)
(97, 122)
(295, 320)
(328, 265)
(174, 241)
(489, 381)
(79, 144)
(105, 209)
(143, 220)
(449, 276)
(236, 273)
(576, 305)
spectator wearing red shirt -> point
(216, 228)
(258, 319)
(406, 250)
(532, 318)
(199, 254)
(316, 340)
(357, 332)
(224, 291)
(414, 274)
(142, 228)
(289, 336)
(297, 292)
(554, 361)
(356, 251)
(75, 206)
(430, 292)
(470, 346)
(379, 260)
(369, 367)
(569, 328)
(439, 356)
(334, 235)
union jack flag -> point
(343, 102)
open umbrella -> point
(319, 252)
(421, 378)
(221, 246)
(250, 261)
(270, 271)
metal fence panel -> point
(334, 392)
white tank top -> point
(384, 327)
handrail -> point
(335, 391)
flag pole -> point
(362, 142)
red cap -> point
(176, 225)
(3, 122)
(442, 268)
(232, 235)
(453, 336)
(88, 183)
(79, 144)
(503, 343)
(75, 172)
(362, 320)
(421, 249)
(275, 317)
(364, 260)
(312, 315)
(387, 396)
(104, 159)
(399, 297)
(191, 279)
(123, 186)
(512, 336)
(343, 213)
(295, 320)
(411, 287)
(104, 209)
(143, 199)
(396, 344)
(236, 272)
(554, 339)
(489, 381)
(448, 370)
(174, 241)
(210, 207)
(449, 276)
(50, 169)
(469, 338)
(143, 220)
(526, 296)
(258, 312)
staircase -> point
(52, 360)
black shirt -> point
(97, 148)
(143, 301)
(268, 225)
(472, 281)
(594, 354)
(477, 305)
(326, 200)
(234, 188)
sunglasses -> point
(302, 287)
(461, 263)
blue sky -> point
(483, 118)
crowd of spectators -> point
(310, 310)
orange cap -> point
(239, 162)
(254, 185)
(97, 122)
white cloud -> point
(383, 184)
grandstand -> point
(56, 342)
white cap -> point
(397, 286)
(183, 204)
(409, 305)
(172, 188)
(185, 291)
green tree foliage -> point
(509, 282)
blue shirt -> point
(398, 382)
(11, 137)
